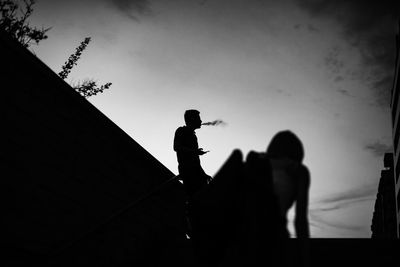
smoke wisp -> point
(214, 123)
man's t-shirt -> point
(186, 147)
(190, 170)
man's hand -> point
(209, 179)
(201, 152)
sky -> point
(320, 68)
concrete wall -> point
(66, 169)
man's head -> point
(192, 118)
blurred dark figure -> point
(273, 182)
(291, 182)
(188, 154)
(217, 216)
(291, 179)
(258, 234)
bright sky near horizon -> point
(322, 69)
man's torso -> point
(185, 137)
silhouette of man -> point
(188, 154)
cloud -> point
(369, 26)
(343, 91)
(339, 79)
(377, 148)
(320, 222)
(341, 204)
(323, 212)
(311, 28)
(129, 7)
(333, 61)
(349, 196)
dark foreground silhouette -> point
(240, 217)
(236, 219)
